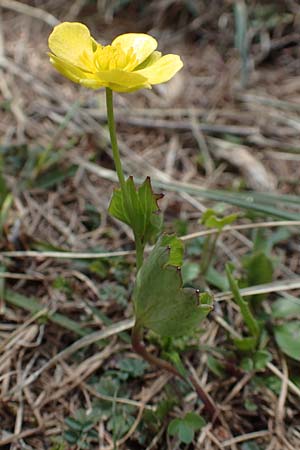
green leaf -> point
(184, 432)
(247, 364)
(214, 278)
(173, 427)
(296, 380)
(274, 205)
(2, 282)
(185, 428)
(250, 405)
(266, 204)
(215, 366)
(33, 306)
(210, 219)
(138, 208)
(248, 317)
(133, 367)
(71, 437)
(261, 358)
(160, 302)
(262, 241)
(195, 421)
(4, 210)
(163, 408)
(259, 271)
(288, 338)
(119, 424)
(73, 424)
(245, 344)
(190, 271)
(176, 249)
(286, 308)
(3, 186)
(174, 357)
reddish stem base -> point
(140, 349)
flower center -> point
(113, 57)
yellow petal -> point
(70, 40)
(120, 77)
(75, 74)
(119, 88)
(162, 70)
(155, 56)
(142, 44)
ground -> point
(223, 134)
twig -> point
(276, 286)
(96, 255)
(246, 437)
(15, 437)
(245, 226)
(65, 255)
(92, 338)
(122, 401)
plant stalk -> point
(140, 349)
(113, 138)
(209, 252)
(117, 160)
(139, 247)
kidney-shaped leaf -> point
(160, 301)
(288, 338)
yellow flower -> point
(128, 64)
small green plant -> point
(286, 325)
(252, 346)
(163, 304)
(259, 265)
(283, 322)
(186, 427)
(118, 417)
(131, 62)
(212, 220)
(80, 432)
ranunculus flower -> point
(131, 62)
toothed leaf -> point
(139, 209)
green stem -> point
(113, 138)
(139, 252)
(209, 252)
(117, 159)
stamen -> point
(114, 57)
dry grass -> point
(203, 129)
